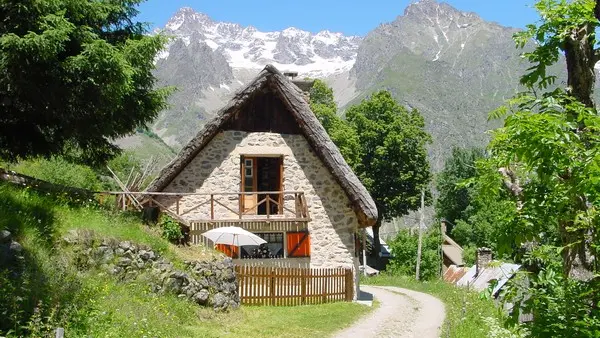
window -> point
(249, 167)
(272, 249)
(298, 244)
(248, 178)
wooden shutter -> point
(230, 250)
(298, 244)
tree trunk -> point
(580, 57)
(376, 242)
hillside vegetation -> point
(51, 292)
(468, 313)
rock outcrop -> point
(210, 283)
(11, 252)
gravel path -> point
(401, 313)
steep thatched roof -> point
(292, 97)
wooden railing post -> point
(240, 211)
(304, 205)
(268, 206)
(212, 207)
(297, 204)
(177, 204)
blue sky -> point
(351, 17)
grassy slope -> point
(91, 304)
(146, 146)
(465, 310)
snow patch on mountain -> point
(315, 55)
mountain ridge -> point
(453, 66)
(316, 55)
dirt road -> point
(401, 313)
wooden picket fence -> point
(277, 286)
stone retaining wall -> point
(211, 283)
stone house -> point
(266, 164)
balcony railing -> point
(227, 206)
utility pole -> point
(421, 224)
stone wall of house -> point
(217, 169)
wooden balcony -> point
(234, 206)
(264, 211)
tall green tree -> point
(550, 139)
(74, 75)
(567, 28)
(454, 197)
(393, 162)
(322, 103)
(547, 155)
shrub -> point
(171, 229)
(561, 306)
(59, 171)
(404, 251)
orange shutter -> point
(230, 250)
(298, 244)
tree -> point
(455, 198)
(404, 247)
(74, 75)
(322, 103)
(393, 163)
(487, 222)
(550, 139)
(567, 28)
(479, 218)
(547, 155)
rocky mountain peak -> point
(432, 10)
(315, 55)
(186, 18)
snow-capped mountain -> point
(452, 66)
(314, 55)
(207, 61)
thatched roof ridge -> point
(293, 98)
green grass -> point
(130, 310)
(53, 293)
(465, 310)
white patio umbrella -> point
(233, 236)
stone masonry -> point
(217, 169)
(210, 283)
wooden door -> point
(270, 176)
(249, 184)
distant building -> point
(451, 251)
(486, 272)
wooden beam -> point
(154, 193)
(212, 206)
